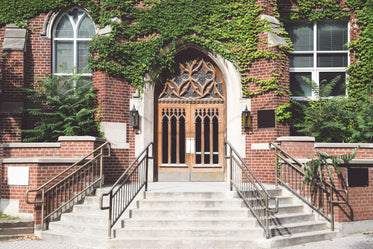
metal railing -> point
(260, 202)
(322, 198)
(70, 186)
(125, 189)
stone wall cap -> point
(343, 145)
(37, 160)
(31, 145)
(353, 163)
(271, 19)
(296, 139)
(80, 139)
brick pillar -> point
(265, 127)
(12, 77)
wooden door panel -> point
(191, 121)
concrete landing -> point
(188, 186)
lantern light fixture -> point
(134, 121)
(246, 119)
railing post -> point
(42, 209)
(110, 214)
(276, 168)
(231, 168)
(267, 218)
(331, 208)
(101, 165)
(146, 168)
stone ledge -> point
(296, 139)
(353, 163)
(31, 145)
(80, 139)
(37, 160)
(344, 145)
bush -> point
(330, 119)
(62, 106)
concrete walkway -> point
(356, 241)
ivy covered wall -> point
(141, 29)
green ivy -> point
(360, 82)
(134, 48)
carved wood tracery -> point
(195, 79)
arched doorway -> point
(191, 121)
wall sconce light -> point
(134, 122)
(246, 119)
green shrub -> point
(330, 119)
(62, 106)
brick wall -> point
(360, 199)
(44, 161)
(261, 161)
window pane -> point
(301, 60)
(165, 140)
(64, 28)
(83, 57)
(298, 86)
(301, 34)
(64, 57)
(339, 88)
(331, 35)
(332, 60)
(86, 28)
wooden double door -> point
(191, 121)
(191, 142)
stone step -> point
(12, 229)
(76, 239)
(92, 200)
(16, 223)
(100, 191)
(174, 232)
(283, 219)
(240, 222)
(189, 195)
(188, 242)
(183, 213)
(99, 219)
(84, 208)
(299, 227)
(16, 230)
(272, 190)
(300, 238)
(190, 203)
(79, 228)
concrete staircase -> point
(189, 217)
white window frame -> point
(316, 70)
(75, 41)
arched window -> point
(72, 33)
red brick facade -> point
(44, 161)
(360, 199)
(20, 68)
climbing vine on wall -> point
(360, 82)
(141, 30)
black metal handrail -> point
(128, 185)
(290, 175)
(71, 185)
(250, 189)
